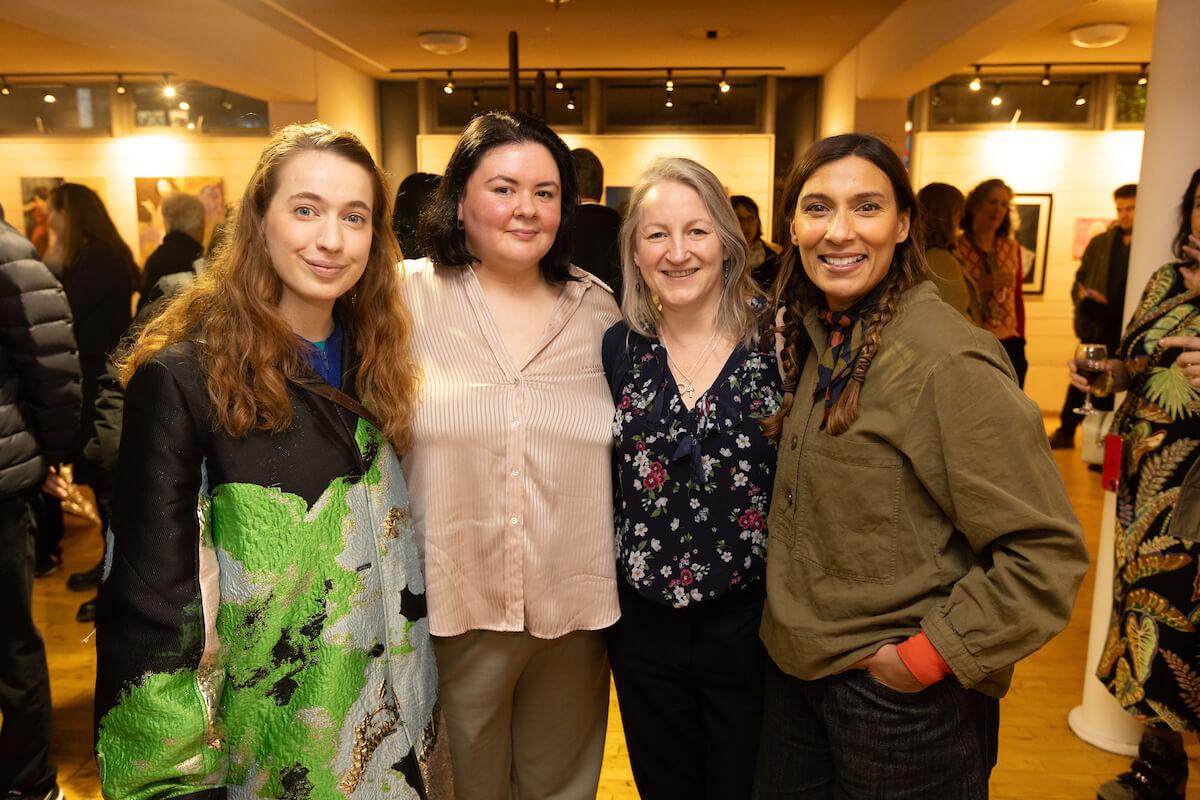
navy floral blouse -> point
(693, 485)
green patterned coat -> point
(262, 631)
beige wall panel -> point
(743, 162)
(1081, 169)
(347, 98)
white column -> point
(1099, 720)
(1171, 149)
(1170, 152)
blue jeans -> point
(849, 737)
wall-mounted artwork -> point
(1031, 226)
(1086, 229)
(617, 198)
(150, 194)
(35, 202)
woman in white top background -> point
(510, 466)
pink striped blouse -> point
(509, 469)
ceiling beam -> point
(923, 41)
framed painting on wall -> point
(35, 202)
(1031, 227)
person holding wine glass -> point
(1151, 655)
(1091, 360)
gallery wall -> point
(742, 162)
(1079, 169)
(111, 165)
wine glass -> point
(1091, 362)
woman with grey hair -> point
(692, 373)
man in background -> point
(39, 414)
(183, 217)
(1099, 297)
(596, 225)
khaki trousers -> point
(525, 717)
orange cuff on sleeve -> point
(922, 659)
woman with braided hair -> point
(921, 537)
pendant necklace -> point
(687, 386)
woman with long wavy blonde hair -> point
(911, 563)
(262, 622)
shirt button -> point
(516, 472)
(513, 520)
(516, 423)
(794, 442)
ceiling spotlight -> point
(996, 98)
(1046, 76)
(49, 97)
(191, 126)
(474, 98)
(976, 84)
(1143, 78)
(168, 87)
(1080, 99)
(558, 81)
(121, 84)
(670, 102)
(449, 87)
(184, 105)
(5, 89)
(670, 82)
(723, 85)
(571, 101)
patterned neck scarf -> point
(847, 332)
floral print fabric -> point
(1151, 662)
(693, 485)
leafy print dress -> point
(1151, 660)
(693, 485)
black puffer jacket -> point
(39, 368)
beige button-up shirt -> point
(510, 465)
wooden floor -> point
(1039, 757)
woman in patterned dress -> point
(1151, 662)
(992, 259)
(691, 376)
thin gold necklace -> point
(687, 386)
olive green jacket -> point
(940, 510)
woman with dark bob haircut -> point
(911, 566)
(510, 466)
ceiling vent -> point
(1102, 34)
(443, 43)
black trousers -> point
(1068, 420)
(24, 678)
(689, 683)
(1015, 348)
(48, 532)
